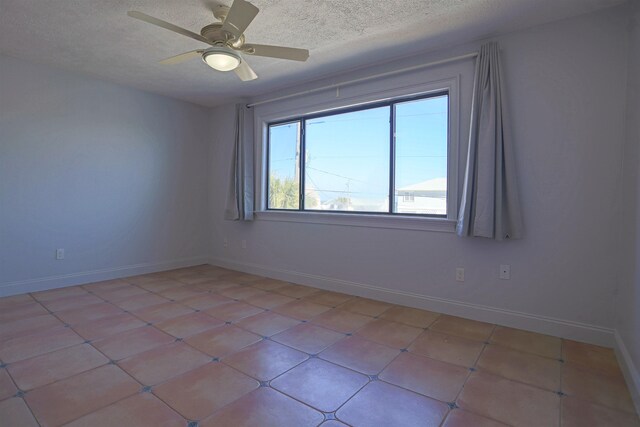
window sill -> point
(361, 220)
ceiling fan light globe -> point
(221, 59)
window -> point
(385, 158)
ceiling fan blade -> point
(239, 17)
(245, 72)
(277, 52)
(182, 57)
(166, 25)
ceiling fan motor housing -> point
(213, 32)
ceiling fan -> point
(227, 40)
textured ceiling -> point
(98, 38)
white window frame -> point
(262, 117)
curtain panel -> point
(490, 205)
(239, 205)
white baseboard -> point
(629, 370)
(545, 325)
(61, 281)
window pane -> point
(284, 166)
(347, 161)
(421, 156)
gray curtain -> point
(239, 206)
(490, 205)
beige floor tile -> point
(296, 291)
(231, 278)
(242, 292)
(204, 301)
(108, 326)
(140, 301)
(342, 320)
(248, 278)
(68, 303)
(105, 285)
(592, 357)
(88, 314)
(181, 292)
(581, 413)
(22, 311)
(233, 311)
(189, 324)
(308, 338)
(51, 367)
(320, 384)
(216, 285)
(265, 360)
(160, 285)
(70, 291)
(222, 341)
(132, 342)
(139, 410)
(302, 310)
(26, 346)
(610, 391)
(71, 398)
(264, 407)
(464, 328)
(524, 367)
(447, 348)
(269, 284)
(381, 404)
(16, 301)
(201, 392)
(142, 279)
(30, 325)
(161, 363)
(267, 323)
(410, 316)
(7, 387)
(192, 279)
(118, 294)
(396, 335)
(361, 355)
(432, 378)
(529, 342)
(332, 299)
(14, 412)
(509, 401)
(269, 300)
(365, 306)
(160, 312)
(460, 418)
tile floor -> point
(205, 346)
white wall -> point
(628, 298)
(115, 176)
(566, 87)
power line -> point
(334, 174)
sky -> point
(348, 155)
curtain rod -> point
(363, 79)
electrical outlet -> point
(505, 271)
(225, 242)
(244, 244)
(460, 274)
(60, 253)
